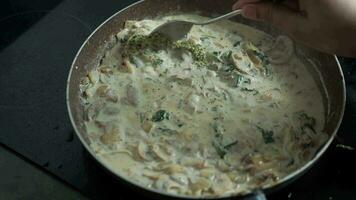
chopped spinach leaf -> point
(265, 62)
(228, 146)
(307, 145)
(156, 62)
(291, 162)
(123, 40)
(164, 131)
(253, 91)
(167, 130)
(239, 80)
(267, 135)
(219, 146)
(262, 57)
(206, 37)
(217, 128)
(219, 149)
(238, 43)
(160, 116)
(217, 53)
(216, 118)
(274, 105)
(230, 68)
(142, 117)
(213, 56)
(226, 56)
(132, 60)
(307, 122)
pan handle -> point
(258, 195)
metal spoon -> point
(177, 29)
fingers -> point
(239, 4)
(279, 16)
(292, 4)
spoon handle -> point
(226, 16)
(229, 15)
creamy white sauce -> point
(232, 123)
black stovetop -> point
(38, 41)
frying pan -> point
(325, 70)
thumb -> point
(281, 17)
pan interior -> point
(104, 38)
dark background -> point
(38, 41)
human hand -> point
(326, 25)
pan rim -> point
(287, 178)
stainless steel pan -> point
(327, 72)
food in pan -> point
(226, 110)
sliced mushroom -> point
(98, 149)
(151, 174)
(281, 51)
(234, 176)
(102, 90)
(166, 184)
(194, 162)
(217, 44)
(222, 185)
(158, 151)
(84, 82)
(107, 93)
(306, 140)
(208, 173)
(130, 24)
(105, 70)
(265, 178)
(274, 95)
(89, 92)
(122, 35)
(253, 159)
(104, 78)
(200, 185)
(260, 163)
(109, 138)
(222, 166)
(118, 149)
(253, 57)
(182, 80)
(174, 168)
(111, 133)
(142, 149)
(180, 178)
(175, 187)
(147, 126)
(131, 95)
(111, 111)
(138, 62)
(214, 67)
(111, 96)
(127, 67)
(211, 73)
(192, 103)
(100, 124)
(93, 76)
(94, 109)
